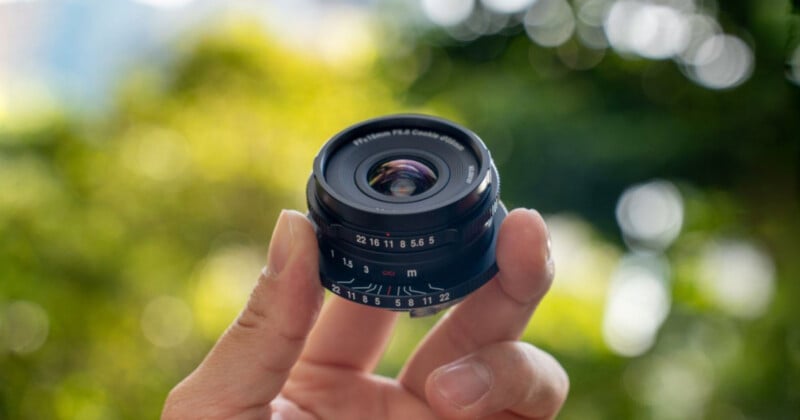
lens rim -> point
(426, 214)
(432, 161)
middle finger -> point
(500, 310)
(349, 335)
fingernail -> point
(549, 263)
(464, 383)
(549, 251)
(281, 244)
(548, 256)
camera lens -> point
(401, 177)
(407, 212)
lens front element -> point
(401, 177)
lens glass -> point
(401, 177)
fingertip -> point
(280, 245)
(288, 288)
(298, 284)
(301, 224)
(523, 255)
(304, 245)
(526, 219)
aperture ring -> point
(387, 241)
(407, 243)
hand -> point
(278, 361)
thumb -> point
(249, 364)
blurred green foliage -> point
(175, 196)
(127, 247)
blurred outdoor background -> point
(146, 148)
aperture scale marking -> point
(404, 297)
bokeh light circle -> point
(577, 57)
(700, 28)
(793, 64)
(166, 321)
(589, 25)
(507, 6)
(549, 23)
(650, 214)
(447, 12)
(25, 327)
(223, 281)
(638, 303)
(738, 277)
(722, 62)
(648, 30)
(675, 385)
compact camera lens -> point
(407, 213)
(401, 177)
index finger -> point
(497, 312)
(249, 364)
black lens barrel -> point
(405, 251)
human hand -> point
(278, 361)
